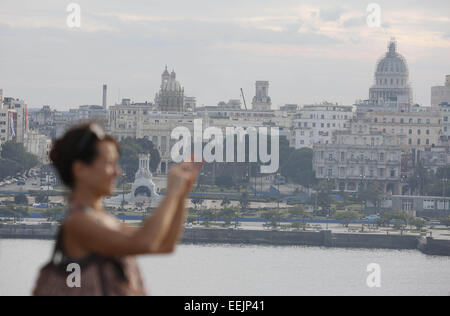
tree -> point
(227, 215)
(197, 202)
(21, 199)
(41, 197)
(208, 216)
(15, 159)
(298, 212)
(139, 205)
(129, 158)
(296, 164)
(243, 201)
(224, 181)
(54, 213)
(397, 216)
(446, 222)
(420, 176)
(271, 217)
(298, 225)
(347, 217)
(323, 196)
(419, 223)
(225, 202)
(14, 212)
(374, 193)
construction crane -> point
(243, 98)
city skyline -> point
(302, 49)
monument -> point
(143, 189)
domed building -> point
(171, 95)
(391, 80)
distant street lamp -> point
(123, 187)
(445, 180)
(363, 177)
(329, 202)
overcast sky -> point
(310, 51)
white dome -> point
(392, 62)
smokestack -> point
(105, 87)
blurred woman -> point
(101, 246)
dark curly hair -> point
(79, 143)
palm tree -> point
(244, 202)
(225, 202)
(197, 202)
(227, 214)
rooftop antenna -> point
(243, 98)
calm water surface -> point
(253, 270)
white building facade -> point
(315, 124)
(441, 94)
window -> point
(393, 173)
(381, 156)
(330, 157)
(410, 132)
(410, 141)
(330, 172)
(419, 121)
(428, 121)
(419, 132)
(428, 132)
(402, 121)
(381, 172)
(393, 157)
(427, 141)
(418, 141)
(342, 156)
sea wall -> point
(267, 237)
(282, 238)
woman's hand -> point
(182, 178)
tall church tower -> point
(262, 101)
(171, 95)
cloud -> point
(354, 22)
(331, 14)
(212, 45)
